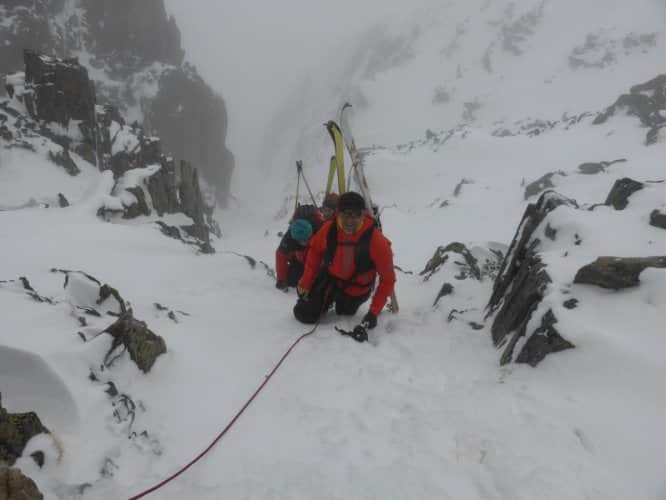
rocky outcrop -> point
(135, 51)
(541, 184)
(617, 272)
(16, 486)
(592, 168)
(520, 287)
(441, 256)
(543, 341)
(647, 101)
(65, 161)
(58, 90)
(16, 429)
(618, 197)
(192, 123)
(658, 219)
(57, 93)
(140, 342)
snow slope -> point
(481, 63)
(423, 410)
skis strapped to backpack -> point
(358, 173)
(337, 164)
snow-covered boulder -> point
(140, 342)
(87, 295)
(658, 218)
(618, 197)
(559, 247)
(617, 272)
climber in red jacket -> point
(344, 258)
(291, 253)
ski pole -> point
(298, 184)
(299, 166)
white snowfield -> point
(421, 411)
(424, 410)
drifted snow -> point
(423, 410)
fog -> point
(255, 53)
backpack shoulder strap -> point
(362, 260)
(331, 244)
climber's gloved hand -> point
(369, 321)
(282, 285)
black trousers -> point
(324, 293)
(294, 272)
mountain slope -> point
(423, 410)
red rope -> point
(233, 421)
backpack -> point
(310, 213)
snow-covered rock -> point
(133, 55)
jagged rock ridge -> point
(134, 52)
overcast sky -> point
(252, 52)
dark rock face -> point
(591, 168)
(541, 184)
(617, 272)
(532, 218)
(65, 161)
(140, 342)
(447, 289)
(545, 340)
(58, 90)
(140, 207)
(55, 92)
(130, 34)
(192, 122)
(658, 219)
(16, 429)
(571, 303)
(520, 287)
(133, 45)
(644, 101)
(163, 188)
(441, 256)
(113, 145)
(15, 486)
(619, 194)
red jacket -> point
(342, 266)
(289, 250)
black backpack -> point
(310, 213)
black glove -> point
(369, 321)
(282, 285)
(360, 334)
